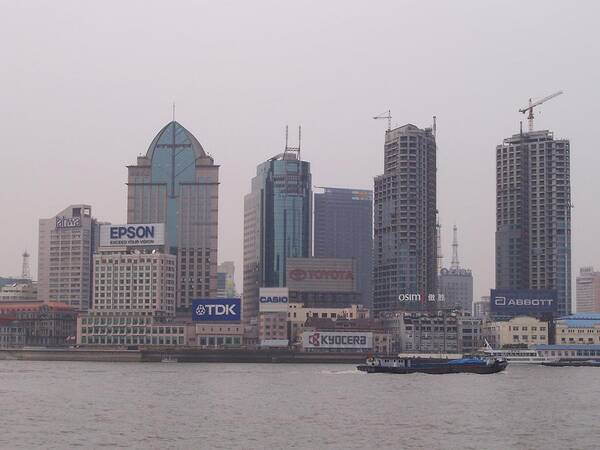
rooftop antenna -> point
(386, 115)
(173, 111)
(25, 272)
(440, 257)
(293, 149)
(434, 126)
(455, 264)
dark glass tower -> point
(344, 229)
(277, 224)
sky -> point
(85, 87)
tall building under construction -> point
(533, 215)
(405, 218)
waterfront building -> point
(405, 244)
(176, 183)
(518, 331)
(580, 352)
(26, 291)
(424, 331)
(344, 229)
(578, 329)
(40, 324)
(66, 245)
(12, 335)
(533, 215)
(588, 290)
(277, 225)
(298, 314)
(470, 337)
(218, 335)
(225, 280)
(323, 335)
(323, 282)
(134, 300)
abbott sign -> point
(513, 302)
(336, 339)
(273, 299)
(216, 310)
(132, 234)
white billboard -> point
(337, 339)
(274, 343)
(132, 234)
(273, 299)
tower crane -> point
(536, 103)
(386, 115)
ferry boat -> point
(518, 355)
(403, 365)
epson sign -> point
(512, 302)
(132, 234)
(216, 310)
(273, 299)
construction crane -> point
(536, 103)
(386, 115)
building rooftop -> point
(566, 347)
(580, 320)
(181, 137)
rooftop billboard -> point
(515, 302)
(132, 234)
(321, 274)
(337, 339)
(273, 299)
(216, 310)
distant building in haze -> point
(405, 218)
(533, 215)
(456, 283)
(277, 225)
(225, 280)
(588, 290)
(344, 229)
(177, 183)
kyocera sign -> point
(335, 339)
(511, 302)
(68, 222)
(216, 310)
(132, 234)
(273, 299)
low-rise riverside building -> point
(518, 331)
(25, 291)
(218, 335)
(578, 329)
(44, 324)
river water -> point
(226, 406)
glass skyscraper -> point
(176, 183)
(277, 224)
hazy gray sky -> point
(87, 85)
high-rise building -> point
(588, 290)
(404, 260)
(277, 225)
(176, 183)
(456, 283)
(225, 280)
(344, 229)
(533, 215)
(66, 245)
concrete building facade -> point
(588, 291)
(405, 244)
(518, 331)
(66, 244)
(344, 229)
(177, 183)
(533, 215)
(456, 285)
(277, 225)
(19, 292)
(578, 329)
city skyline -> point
(477, 99)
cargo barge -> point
(436, 366)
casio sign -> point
(274, 299)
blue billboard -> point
(216, 309)
(515, 302)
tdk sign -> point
(132, 234)
(216, 310)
